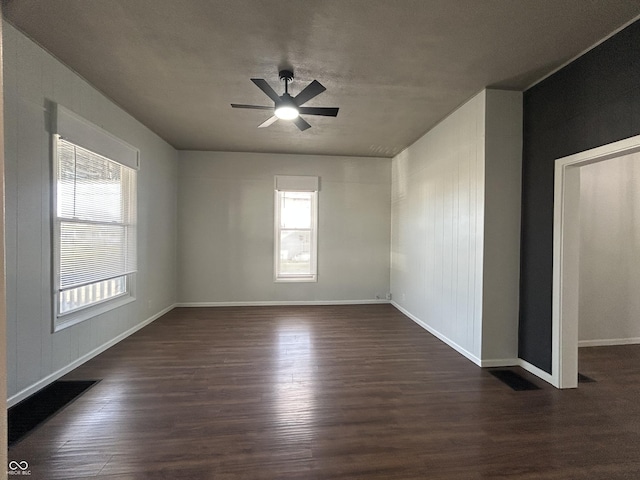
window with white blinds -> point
(296, 232)
(95, 228)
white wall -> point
(609, 299)
(33, 79)
(442, 234)
(225, 212)
(437, 228)
(502, 207)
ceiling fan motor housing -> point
(286, 100)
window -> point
(296, 230)
(94, 232)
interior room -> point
(248, 239)
(609, 256)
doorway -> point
(566, 255)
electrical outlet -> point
(403, 297)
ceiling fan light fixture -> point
(287, 107)
(286, 112)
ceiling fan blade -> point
(268, 122)
(324, 111)
(313, 89)
(253, 107)
(301, 123)
(266, 88)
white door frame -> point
(3, 303)
(566, 261)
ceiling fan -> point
(287, 107)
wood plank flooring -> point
(329, 392)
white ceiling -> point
(395, 68)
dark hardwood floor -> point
(344, 392)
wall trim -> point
(607, 342)
(484, 363)
(439, 335)
(500, 362)
(547, 377)
(268, 303)
(24, 393)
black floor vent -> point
(584, 379)
(34, 410)
(515, 381)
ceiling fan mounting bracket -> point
(285, 75)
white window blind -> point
(297, 183)
(95, 227)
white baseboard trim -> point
(500, 362)
(484, 363)
(439, 335)
(547, 377)
(608, 342)
(21, 395)
(269, 303)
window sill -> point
(65, 321)
(300, 279)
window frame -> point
(68, 319)
(312, 277)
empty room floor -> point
(323, 392)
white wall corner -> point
(502, 208)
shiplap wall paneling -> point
(437, 228)
(450, 262)
(34, 80)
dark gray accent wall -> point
(593, 101)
